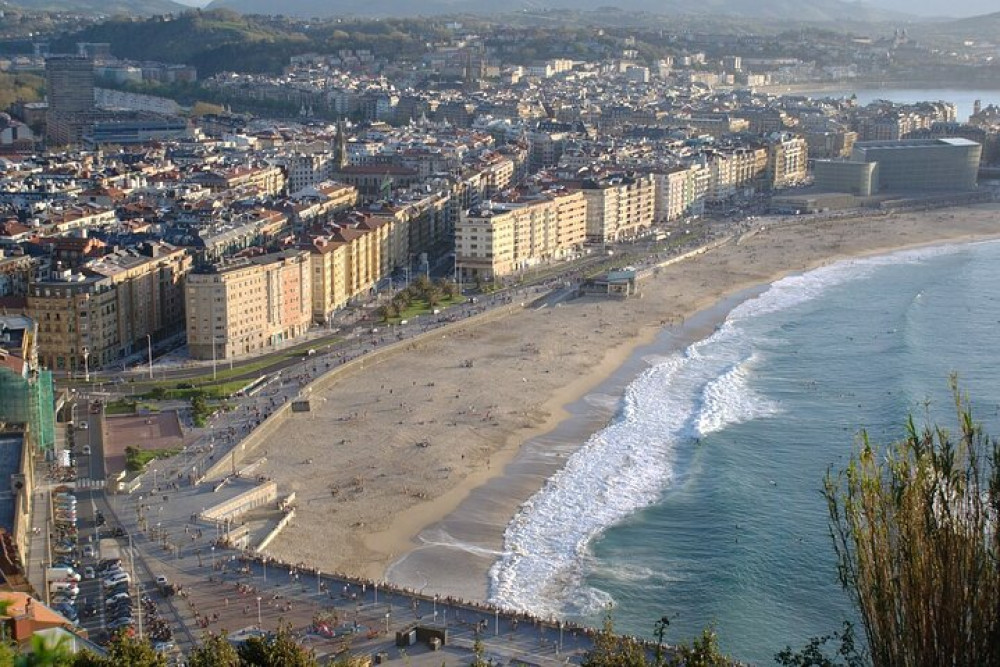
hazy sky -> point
(919, 7)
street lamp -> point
(263, 561)
(259, 624)
(86, 366)
(149, 350)
(387, 622)
(213, 557)
(660, 629)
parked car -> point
(115, 590)
(88, 551)
(121, 623)
(117, 597)
(86, 450)
(67, 610)
(89, 573)
(68, 587)
(123, 612)
(109, 563)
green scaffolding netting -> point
(29, 401)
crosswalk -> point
(87, 483)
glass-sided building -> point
(922, 165)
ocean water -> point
(964, 100)
(702, 499)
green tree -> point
(915, 530)
(46, 653)
(703, 652)
(814, 654)
(279, 650)
(215, 651)
(125, 649)
(613, 650)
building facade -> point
(498, 240)
(249, 306)
(922, 165)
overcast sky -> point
(956, 8)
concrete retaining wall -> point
(275, 532)
(264, 494)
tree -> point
(915, 530)
(46, 653)
(612, 650)
(125, 649)
(814, 655)
(215, 651)
(279, 650)
(703, 652)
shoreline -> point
(391, 528)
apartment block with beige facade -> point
(105, 311)
(618, 207)
(787, 160)
(499, 239)
(248, 306)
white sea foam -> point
(626, 466)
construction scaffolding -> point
(31, 401)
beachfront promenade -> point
(225, 590)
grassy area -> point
(421, 307)
(136, 459)
(120, 407)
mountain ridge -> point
(798, 10)
(104, 7)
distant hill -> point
(104, 7)
(790, 10)
(211, 41)
(980, 28)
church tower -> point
(340, 147)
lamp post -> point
(213, 557)
(318, 574)
(86, 365)
(387, 622)
(263, 561)
(259, 624)
(215, 369)
(660, 629)
(149, 351)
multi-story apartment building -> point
(671, 193)
(787, 160)
(266, 180)
(306, 169)
(500, 239)
(69, 82)
(248, 306)
(101, 315)
(618, 207)
(345, 265)
(77, 319)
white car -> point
(117, 578)
(88, 551)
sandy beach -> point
(395, 449)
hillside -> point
(797, 10)
(211, 41)
(104, 7)
(979, 28)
